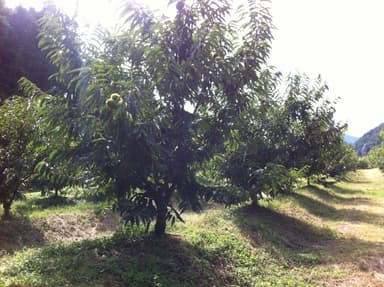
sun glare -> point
(89, 13)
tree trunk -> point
(254, 204)
(254, 200)
(162, 202)
(308, 181)
(161, 220)
(7, 210)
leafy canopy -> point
(281, 137)
(152, 104)
(17, 127)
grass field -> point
(317, 236)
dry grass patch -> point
(56, 228)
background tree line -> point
(20, 55)
(375, 156)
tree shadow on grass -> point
(121, 261)
(344, 191)
(349, 179)
(314, 206)
(298, 241)
(17, 233)
(324, 194)
(326, 211)
(332, 194)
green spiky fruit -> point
(111, 103)
(115, 96)
(114, 101)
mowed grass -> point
(317, 236)
(36, 206)
(348, 218)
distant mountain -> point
(350, 139)
(369, 140)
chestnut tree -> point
(151, 104)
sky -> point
(342, 40)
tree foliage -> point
(170, 111)
(376, 154)
(154, 103)
(314, 137)
(56, 137)
(256, 155)
(16, 133)
(284, 136)
(344, 160)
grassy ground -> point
(339, 229)
(318, 236)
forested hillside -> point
(369, 140)
(20, 55)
